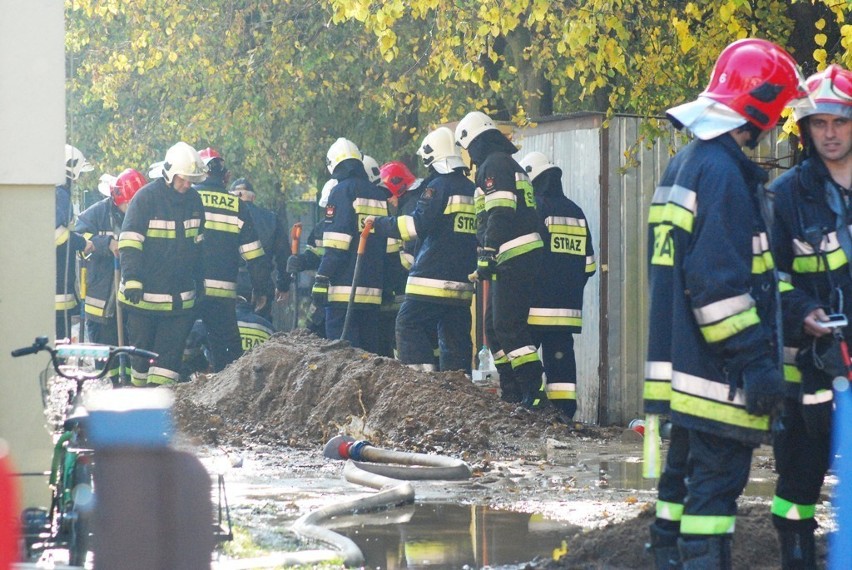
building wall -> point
(32, 137)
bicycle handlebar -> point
(41, 343)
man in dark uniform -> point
(813, 247)
(510, 252)
(714, 340)
(569, 260)
(161, 265)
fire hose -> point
(390, 472)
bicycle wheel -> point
(79, 540)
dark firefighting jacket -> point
(444, 225)
(275, 240)
(160, 248)
(505, 208)
(352, 200)
(100, 223)
(716, 304)
(569, 257)
(229, 236)
(254, 329)
(810, 210)
(63, 237)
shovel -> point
(295, 237)
(362, 246)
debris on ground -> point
(297, 391)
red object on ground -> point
(9, 512)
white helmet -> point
(342, 149)
(372, 168)
(155, 170)
(183, 160)
(536, 163)
(75, 162)
(439, 151)
(106, 183)
(474, 124)
(326, 192)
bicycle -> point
(77, 368)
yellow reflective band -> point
(162, 376)
(406, 227)
(94, 310)
(406, 259)
(500, 199)
(554, 317)
(61, 235)
(669, 511)
(716, 411)
(218, 227)
(439, 288)
(523, 355)
(365, 295)
(457, 204)
(561, 390)
(792, 374)
(730, 326)
(369, 207)
(762, 263)
(660, 390)
(707, 525)
(784, 287)
(251, 250)
(64, 302)
(814, 263)
(519, 246)
(336, 240)
(791, 511)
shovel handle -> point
(295, 237)
(362, 241)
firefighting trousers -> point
(223, 333)
(363, 332)
(506, 322)
(63, 318)
(716, 473)
(420, 322)
(387, 323)
(801, 462)
(163, 334)
(672, 486)
(560, 366)
(106, 333)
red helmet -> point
(127, 185)
(756, 79)
(396, 177)
(831, 92)
(209, 154)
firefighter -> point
(254, 329)
(510, 252)
(101, 223)
(161, 265)
(230, 237)
(569, 261)
(437, 291)
(396, 178)
(309, 260)
(275, 241)
(68, 243)
(349, 204)
(813, 247)
(714, 343)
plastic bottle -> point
(485, 375)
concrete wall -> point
(32, 138)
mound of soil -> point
(299, 390)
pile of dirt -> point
(299, 390)
(621, 546)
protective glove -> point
(486, 265)
(295, 264)
(319, 292)
(817, 404)
(763, 385)
(133, 294)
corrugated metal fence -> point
(615, 192)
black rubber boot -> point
(510, 391)
(713, 553)
(798, 550)
(530, 377)
(663, 547)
